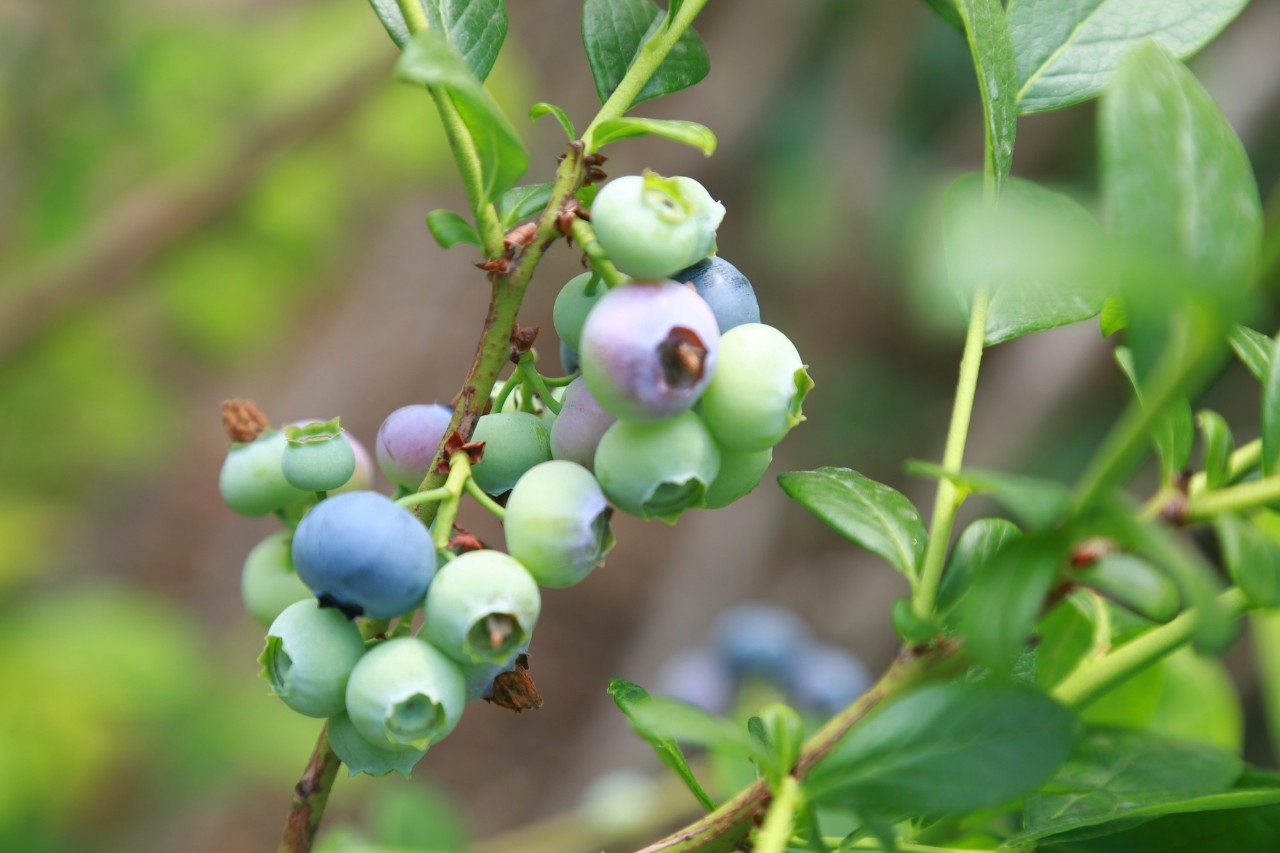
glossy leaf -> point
(1134, 583)
(613, 32)
(522, 202)
(1112, 772)
(946, 748)
(450, 229)
(689, 132)
(1067, 52)
(1254, 349)
(871, 514)
(987, 29)
(1218, 447)
(1063, 636)
(1271, 415)
(1035, 501)
(1113, 318)
(978, 544)
(1173, 432)
(542, 108)
(428, 59)
(475, 28)
(1252, 558)
(634, 701)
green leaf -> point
(613, 32)
(1254, 349)
(522, 202)
(987, 29)
(1232, 821)
(1007, 596)
(1067, 52)
(1175, 177)
(1173, 433)
(871, 514)
(688, 132)
(1113, 317)
(633, 700)
(542, 108)
(946, 748)
(475, 28)
(450, 229)
(1198, 702)
(1218, 447)
(946, 10)
(428, 59)
(1113, 772)
(978, 544)
(1035, 501)
(1252, 558)
(1271, 415)
(1134, 583)
(1064, 636)
(1038, 252)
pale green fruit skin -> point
(268, 583)
(252, 480)
(360, 756)
(514, 443)
(471, 587)
(634, 459)
(740, 473)
(557, 523)
(648, 231)
(572, 306)
(707, 209)
(321, 647)
(753, 400)
(319, 466)
(397, 671)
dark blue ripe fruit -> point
(725, 289)
(364, 554)
(757, 639)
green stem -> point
(459, 476)
(559, 381)
(310, 796)
(775, 833)
(531, 375)
(1095, 677)
(415, 18)
(600, 263)
(484, 500)
(507, 387)
(949, 497)
(419, 498)
(1245, 496)
(908, 847)
(1244, 459)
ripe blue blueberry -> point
(365, 554)
(725, 289)
(405, 693)
(649, 350)
(482, 606)
(309, 656)
(657, 470)
(577, 431)
(573, 303)
(268, 583)
(569, 359)
(252, 480)
(557, 523)
(757, 639)
(361, 756)
(407, 442)
(513, 443)
(740, 473)
(318, 457)
(651, 226)
(827, 678)
(754, 399)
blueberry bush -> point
(1018, 715)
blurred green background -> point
(203, 200)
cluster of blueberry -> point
(623, 432)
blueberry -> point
(361, 756)
(649, 350)
(827, 678)
(405, 693)
(318, 458)
(651, 226)
(762, 640)
(407, 442)
(516, 397)
(513, 443)
(364, 554)
(569, 359)
(755, 396)
(725, 289)
(309, 656)
(576, 433)
(362, 478)
(573, 303)
(252, 480)
(740, 473)
(268, 583)
(699, 677)
(657, 470)
(482, 607)
(557, 523)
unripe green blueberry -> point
(754, 398)
(740, 472)
(318, 458)
(482, 606)
(362, 478)
(360, 756)
(651, 226)
(557, 523)
(269, 583)
(252, 480)
(513, 443)
(573, 303)
(310, 653)
(405, 693)
(657, 470)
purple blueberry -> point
(364, 554)
(649, 350)
(725, 289)
(576, 433)
(827, 678)
(758, 639)
(407, 442)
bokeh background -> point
(201, 200)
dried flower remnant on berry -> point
(243, 421)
